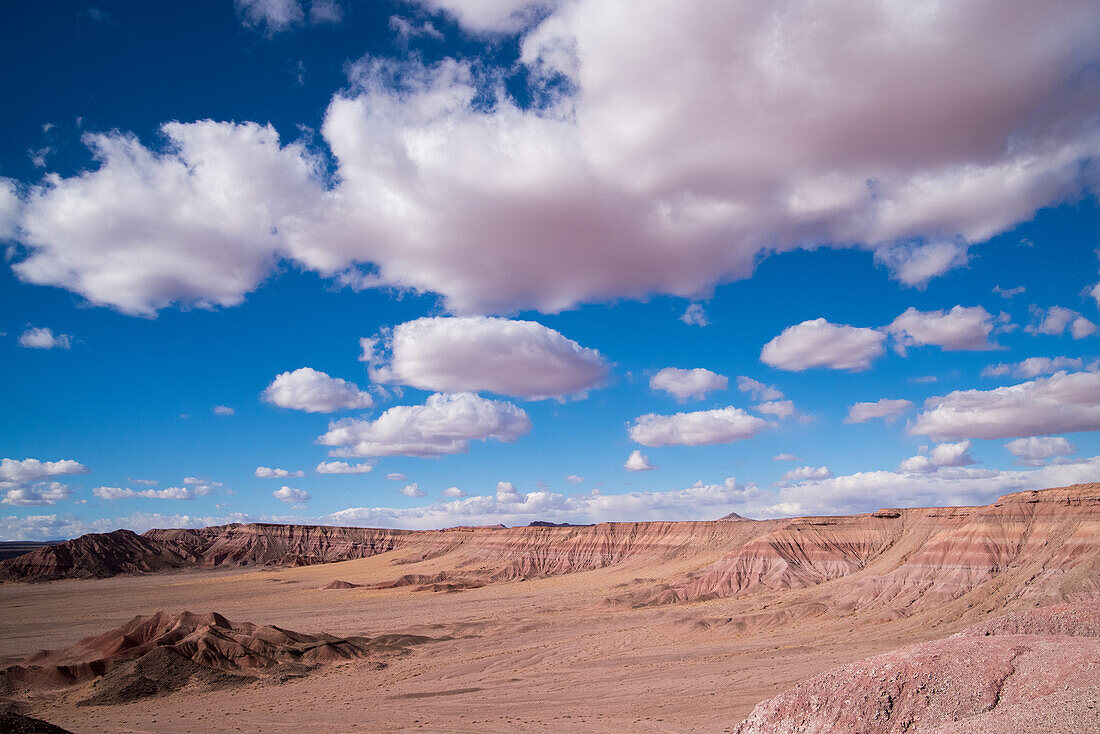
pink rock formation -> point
(968, 682)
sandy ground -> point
(537, 655)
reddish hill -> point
(162, 652)
(982, 680)
(97, 555)
(1040, 546)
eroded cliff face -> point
(1041, 546)
(281, 545)
(97, 555)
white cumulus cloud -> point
(264, 472)
(412, 490)
(343, 467)
(168, 493)
(445, 424)
(41, 337)
(818, 343)
(955, 330)
(474, 354)
(312, 391)
(723, 425)
(639, 169)
(684, 384)
(1056, 320)
(637, 461)
(807, 472)
(1032, 451)
(1034, 366)
(1061, 403)
(758, 389)
(885, 408)
(291, 495)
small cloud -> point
(412, 490)
(1032, 451)
(453, 492)
(1034, 366)
(38, 156)
(41, 337)
(291, 495)
(758, 389)
(325, 12)
(144, 482)
(507, 493)
(638, 462)
(785, 457)
(887, 409)
(343, 467)
(574, 479)
(223, 410)
(942, 454)
(695, 315)
(395, 476)
(803, 473)
(264, 472)
(36, 495)
(1056, 320)
(684, 384)
(312, 391)
(406, 30)
(779, 408)
(1008, 292)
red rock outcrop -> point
(283, 545)
(969, 682)
(209, 643)
(97, 555)
(1039, 546)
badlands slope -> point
(630, 626)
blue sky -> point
(521, 206)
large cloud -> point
(1061, 403)
(692, 138)
(818, 343)
(27, 482)
(684, 384)
(33, 470)
(473, 354)
(197, 224)
(315, 392)
(723, 425)
(445, 424)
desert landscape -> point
(477, 366)
(960, 619)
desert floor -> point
(545, 654)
